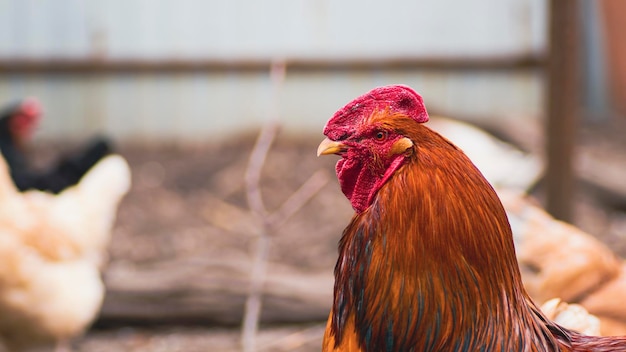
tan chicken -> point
(560, 260)
(557, 259)
(52, 249)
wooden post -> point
(562, 107)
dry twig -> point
(269, 222)
(252, 310)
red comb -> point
(398, 98)
(30, 107)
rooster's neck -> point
(431, 266)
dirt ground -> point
(165, 216)
(305, 338)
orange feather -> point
(430, 264)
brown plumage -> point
(428, 262)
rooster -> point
(427, 263)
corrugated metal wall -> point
(200, 103)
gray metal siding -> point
(195, 105)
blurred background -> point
(185, 70)
(181, 89)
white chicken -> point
(501, 163)
(52, 249)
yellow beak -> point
(330, 147)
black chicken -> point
(17, 125)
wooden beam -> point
(79, 66)
(562, 108)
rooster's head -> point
(368, 135)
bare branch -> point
(252, 311)
(298, 199)
(221, 214)
(255, 166)
(263, 143)
(269, 222)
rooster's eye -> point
(380, 135)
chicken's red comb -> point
(31, 107)
(397, 98)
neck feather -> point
(434, 254)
